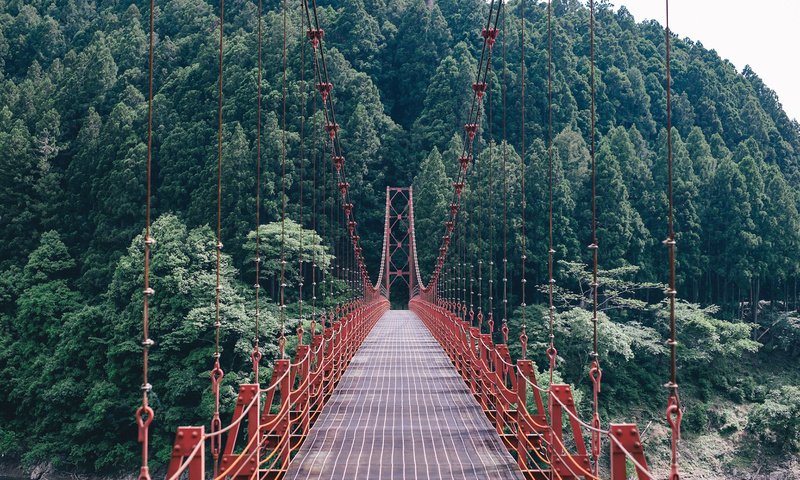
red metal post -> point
(567, 464)
(628, 437)
(186, 440)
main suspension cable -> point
(145, 414)
(472, 231)
(595, 373)
(282, 340)
(504, 328)
(464, 252)
(481, 175)
(490, 203)
(301, 161)
(673, 412)
(217, 373)
(523, 336)
(551, 350)
(489, 35)
(314, 259)
(256, 354)
(315, 35)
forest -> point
(73, 124)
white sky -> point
(764, 34)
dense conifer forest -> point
(73, 110)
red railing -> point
(534, 435)
(279, 416)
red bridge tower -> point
(399, 253)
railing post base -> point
(627, 434)
(186, 440)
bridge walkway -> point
(401, 411)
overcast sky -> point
(764, 34)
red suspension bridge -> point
(425, 393)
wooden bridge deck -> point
(401, 411)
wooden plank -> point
(402, 412)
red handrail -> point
(296, 392)
(500, 387)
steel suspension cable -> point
(475, 106)
(551, 350)
(314, 226)
(478, 185)
(471, 127)
(326, 235)
(342, 264)
(490, 180)
(337, 245)
(523, 336)
(217, 373)
(456, 266)
(460, 268)
(490, 206)
(282, 339)
(256, 354)
(322, 72)
(333, 231)
(489, 34)
(464, 253)
(471, 230)
(504, 328)
(315, 35)
(339, 254)
(301, 161)
(145, 414)
(595, 373)
(349, 259)
(673, 412)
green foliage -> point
(565, 243)
(630, 336)
(50, 260)
(445, 99)
(422, 40)
(780, 332)
(354, 22)
(729, 224)
(290, 241)
(696, 419)
(707, 338)
(619, 225)
(776, 422)
(43, 304)
(431, 195)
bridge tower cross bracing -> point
(399, 256)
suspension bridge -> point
(428, 392)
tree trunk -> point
(786, 296)
(754, 298)
(739, 302)
(710, 292)
(725, 292)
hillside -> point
(73, 84)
